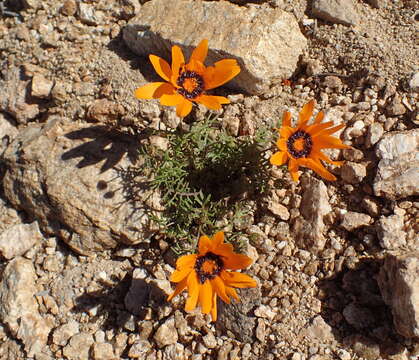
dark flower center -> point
(191, 84)
(300, 144)
(208, 266)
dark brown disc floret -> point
(307, 144)
(190, 83)
(208, 266)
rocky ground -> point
(84, 272)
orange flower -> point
(205, 274)
(189, 82)
(302, 145)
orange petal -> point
(193, 290)
(236, 261)
(186, 261)
(279, 158)
(212, 102)
(184, 108)
(204, 244)
(232, 293)
(219, 288)
(330, 142)
(318, 168)
(236, 279)
(149, 90)
(305, 113)
(179, 288)
(286, 119)
(331, 130)
(206, 295)
(286, 131)
(177, 61)
(293, 169)
(171, 100)
(218, 239)
(223, 249)
(179, 275)
(319, 117)
(222, 72)
(316, 129)
(214, 307)
(196, 66)
(161, 66)
(200, 52)
(282, 144)
(323, 157)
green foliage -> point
(205, 176)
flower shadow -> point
(353, 307)
(104, 144)
(121, 306)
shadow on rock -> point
(105, 144)
(122, 306)
(354, 308)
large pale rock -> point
(398, 170)
(336, 11)
(266, 41)
(314, 206)
(62, 173)
(390, 232)
(399, 285)
(18, 239)
(18, 307)
(166, 334)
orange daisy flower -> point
(205, 274)
(187, 83)
(302, 145)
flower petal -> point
(218, 239)
(219, 287)
(282, 144)
(214, 307)
(193, 289)
(331, 130)
(171, 100)
(236, 261)
(196, 66)
(177, 61)
(330, 142)
(184, 108)
(204, 244)
(206, 295)
(319, 117)
(279, 158)
(293, 169)
(286, 119)
(179, 288)
(148, 91)
(232, 293)
(318, 168)
(200, 52)
(186, 261)
(222, 72)
(305, 113)
(212, 102)
(324, 157)
(161, 66)
(236, 279)
(286, 131)
(179, 275)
